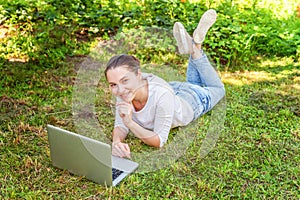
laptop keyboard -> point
(116, 173)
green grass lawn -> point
(256, 156)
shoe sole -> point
(206, 21)
(184, 41)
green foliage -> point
(50, 30)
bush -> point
(49, 30)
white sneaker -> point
(184, 40)
(206, 21)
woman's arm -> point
(148, 137)
(119, 134)
(118, 147)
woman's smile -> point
(126, 96)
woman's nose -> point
(120, 89)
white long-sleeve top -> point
(162, 111)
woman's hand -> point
(125, 112)
(121, 150)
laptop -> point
(87, 157)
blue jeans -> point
(203, 88)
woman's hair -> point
(132, 63)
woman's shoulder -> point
(154, 79)
(157, 85)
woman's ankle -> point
(197, 51)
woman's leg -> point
(200, 72)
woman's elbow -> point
(153, 142)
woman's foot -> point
(184, 40)
(206, 21)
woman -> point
(148, 106)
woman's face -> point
(123, 83)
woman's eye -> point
(125, 81)
(112, 85)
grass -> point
(256, 156)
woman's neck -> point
(141, 97)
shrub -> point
(49, 30)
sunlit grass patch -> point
(266, 70)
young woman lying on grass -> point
(148, 106)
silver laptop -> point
(84, 156)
